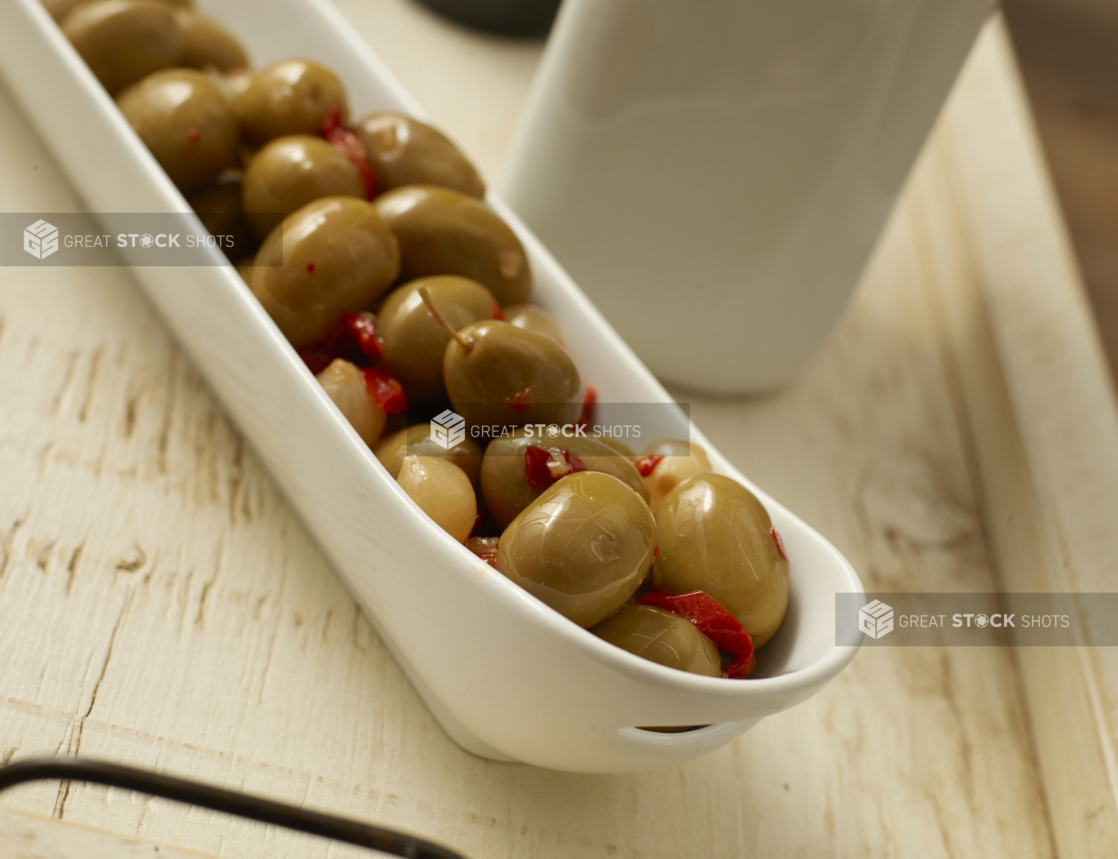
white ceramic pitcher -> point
(715, 173)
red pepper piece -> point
(385, 390)
(362, 329)
(310, 268)
(655, 553)
(496, 312)
(538, 461)
(774, 535)
(646, 464)
(713, 621)
(589, 401)
(521, 402)
(194, 136)
(350, 145)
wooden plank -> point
(30, 837)
(1044, 421)
(160, 606)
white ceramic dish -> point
(506, 676)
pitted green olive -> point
(445, 232)
(510, 377)
(504, 476)
(715, 536)
(208, 44)
(416, 440)
(291, 171)
(291, 96)
(662, 637)
(531, 318)
(583, 547)
(405, 151)
(333, 256)
(414, 343)
(123, 41)
(187, 123)
(219, 209)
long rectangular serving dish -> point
(507, 677)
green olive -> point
(405, 151)
(716, 537)
(416, 441)
(291, 171)
(662, 637)
(504, 478)
(445, 232)
(333, 256)
(291, 96)
(497, 374)
(123, 41)
(219, 209)
(531, 318)
(187, 123)
(583, 547)
(414, 343)
(208, 44)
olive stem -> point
(465, 342)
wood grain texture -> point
(161, 606)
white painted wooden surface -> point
(160, 606)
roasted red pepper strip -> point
(361, 328)
(350, 145)
(645, 464)
(538, 472)
(496, 312)
(385, 390)
(713, 621)
(587, 414)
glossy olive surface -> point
(504, 479)
(404, 151)
(123, 41)
(531, 318)
(291, 171)
(662, 637)
(715, 536)
(333, 256)
(414, 343)
(445, 232)
(208, 45)
(583, 547)
(442, 491)
(292, 96)
(345, 385)
(187, 123)
(417, 440)
(219, 209)
(511, 377)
